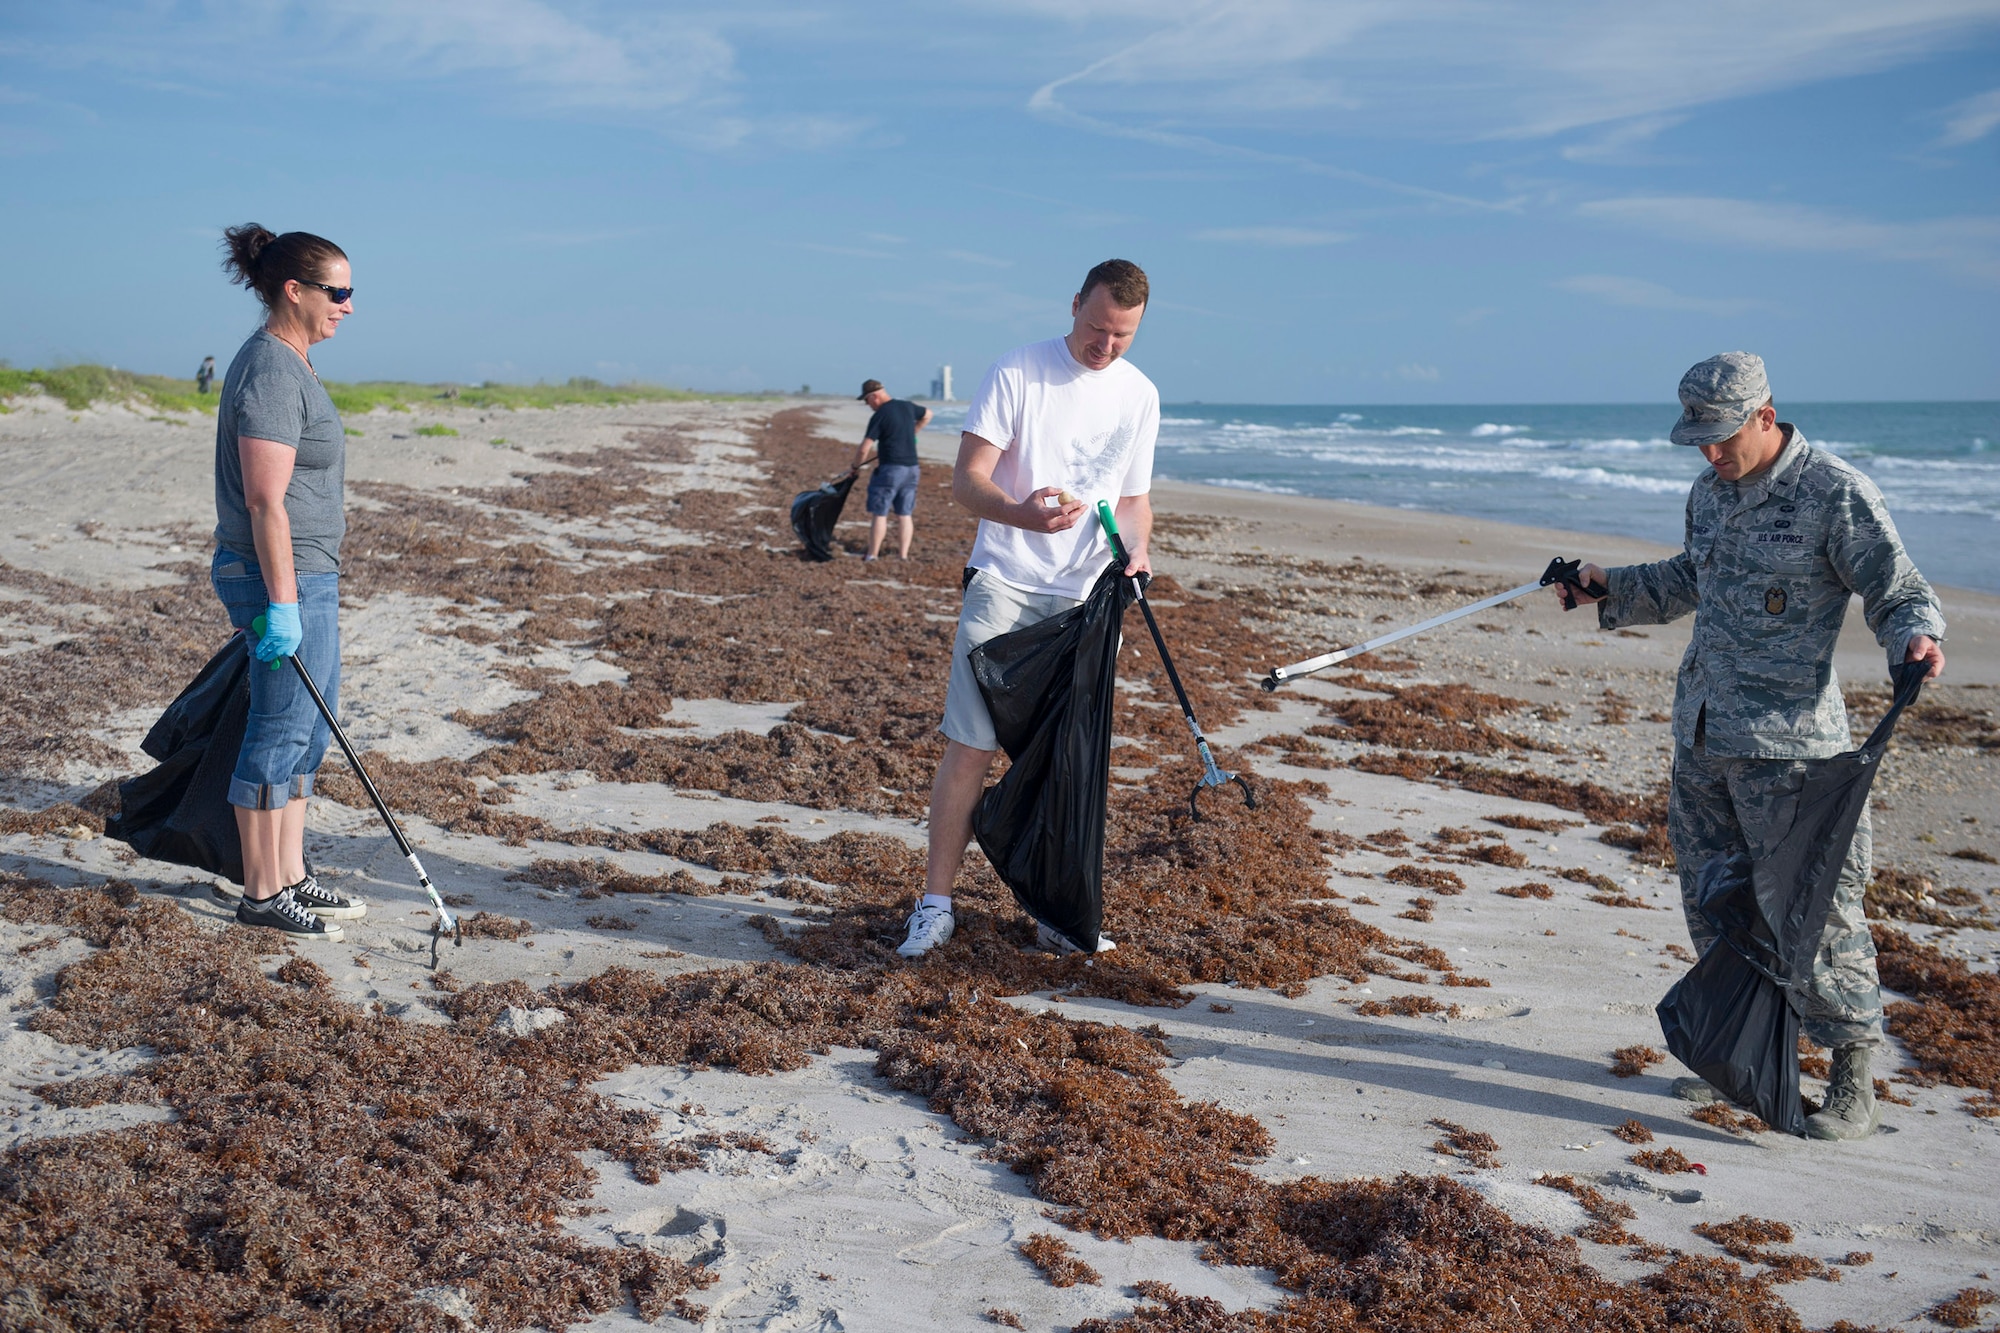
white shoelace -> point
(314, 892)
(287, 905)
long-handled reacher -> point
(1213, 775)
(445, 920)
(1564, 573)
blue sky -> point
(1421, 201)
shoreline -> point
(1314, 527)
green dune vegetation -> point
(81, 386)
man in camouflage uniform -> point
(1779, 534)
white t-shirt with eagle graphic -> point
(1061, 424)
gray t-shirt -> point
(271, 394)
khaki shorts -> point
(992, 608)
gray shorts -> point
(992, 608)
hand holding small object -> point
(1050, 509)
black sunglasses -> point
(339, 294)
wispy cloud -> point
(850, 251)
(670, 69)
(1968, 245)
(1618, 145)
(1275, 236)
(638, 65)
(1047, 102)
(583, 236)
(1465, 70)
(1971, 120)
(974, 257)
(1644, 295)
(980, 302)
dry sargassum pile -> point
(294, 1188)
(342, 1170)
(326, 1166)
(1894, 894)
(1950, 1021)
(149, 644)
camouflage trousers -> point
(1721, 806)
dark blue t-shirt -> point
(894, 430)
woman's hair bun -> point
(258, 258)
(245, 246)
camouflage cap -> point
(1718, 396)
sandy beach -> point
(1354, 1057)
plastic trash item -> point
(1734, 1018)
(814, 513)
(1050, 689)
(180, 811)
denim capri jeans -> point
(286, 737)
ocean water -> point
(1592, 468)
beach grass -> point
(397, 395)
(81, 386)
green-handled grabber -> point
(1213, 775)
(445, 920)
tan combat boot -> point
(1850, 1111)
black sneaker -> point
(283, 911)
(324, 903)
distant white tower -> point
(944, 384)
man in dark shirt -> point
(893, 432)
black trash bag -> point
(180, 811)
(814, 513)
(1734, 1018)
(1729, 1019)
(1050, 690)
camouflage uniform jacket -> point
(1767, 569)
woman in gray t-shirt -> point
(280, 464)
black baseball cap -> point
(868, 387)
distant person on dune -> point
(204, 376)
(1779, 535)
(1060, 425)
(280, 468)
(891, 438)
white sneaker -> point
(1057, 942)
(929, 927)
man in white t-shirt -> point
(1055, 427)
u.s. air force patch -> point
(1774, 601)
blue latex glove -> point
(280, 632)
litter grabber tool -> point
(1213, 774)
(445, 920)
(1565, 574)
